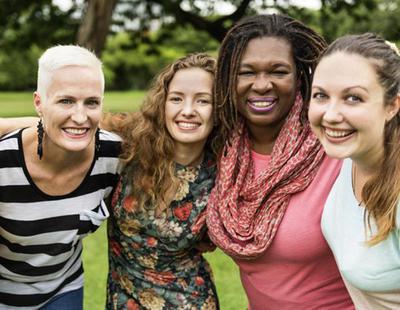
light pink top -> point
(298, 270)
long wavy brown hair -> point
(381, 193)
(148, 148)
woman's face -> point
(347, 111)
(188, 107)
(71, 108)
(266, 82)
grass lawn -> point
(21, 103)
(225, 271)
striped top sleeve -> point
(41, 235)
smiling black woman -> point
(273, 178)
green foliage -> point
(187, 39)
(41, 22)
(18, 68)
(134, 54)
(132, 65)
(132, 68)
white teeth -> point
(261, 104)
(186, 125)
(75, 131)
(337, 133)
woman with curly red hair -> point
(158, 208)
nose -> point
(188, 108)
(79, 114)
(262, 83)
(333, 113)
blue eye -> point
(175, 99)
(204, 101)
(93, 102)
(353, 99)
(319, 96)
(65, 101)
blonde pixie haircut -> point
(61, 56)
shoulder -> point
(110, 144)
(10, 154)
(10, 141)
(330, 165)
(109, 136)
(327, 173)
(11, 135)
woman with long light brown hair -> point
(354, 111)
(158, 208)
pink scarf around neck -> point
(244, 212)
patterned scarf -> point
(244, 212)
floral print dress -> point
(153, 263)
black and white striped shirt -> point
(41, 235)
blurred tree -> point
(26, 22)
(155, 31)
(89, 22)
(96, 24)
(140, 15)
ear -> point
(37, 101)
(393, 108)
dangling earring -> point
(97, 144)
(40, 132)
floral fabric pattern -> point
(152, 258)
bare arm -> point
(9, 124)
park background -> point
(135, 39)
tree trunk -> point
(95, 24)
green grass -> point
(21, 103)
(226, 274)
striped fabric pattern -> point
(41, 235)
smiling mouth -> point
(76, 131)
(262, 105)
(338, 134)
(188, 125)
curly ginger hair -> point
(148, 148)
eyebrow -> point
(72, 97)
(181, 93)
(346, 89)
(274, 65)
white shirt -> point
(371, 273)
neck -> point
(263, 138)
(188, 155)
(361, 174)
(55, 158)
(369, 163)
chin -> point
(76, 147)
(336, 154)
